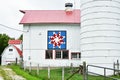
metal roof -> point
(18, 50)
(14, 41)
(50, 16)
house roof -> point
(15, 47)
(14, 42)
(50, 16)
(18, 50)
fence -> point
(105, 77)
(116, 66)
(69, 72)
(55, 73)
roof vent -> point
(69, 7)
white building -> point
(100, 32)
(58, 38)
(12, 53)
(51, 37)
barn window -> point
(75, 55)
(65, 54)
(49, 54)
(10, 49)
(58, 54)
(61, 54)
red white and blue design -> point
(56, 39)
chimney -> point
(69, 8)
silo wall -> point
(100, 32)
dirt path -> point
(1, 78)
(11, 74)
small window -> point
(10, 49)
(75, 55)
(65, 54)
(58, 54)
(49, 54)
(61, 54)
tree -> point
(21, 37)
(3, 42)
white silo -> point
(100, 32)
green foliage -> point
(3, 42)
(21, 37)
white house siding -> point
(9, 56)
(35, 44)
(100, 32)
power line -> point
(11, 28)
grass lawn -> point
(22, 73)
(55, 74)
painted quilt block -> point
(56, 39)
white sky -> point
(11, 16)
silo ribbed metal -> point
(100, 29)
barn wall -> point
(9, 56)
(35, 42)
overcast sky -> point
(10, 15)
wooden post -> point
(16, 60)
(114, 68)
(48, 72)
(63, 72)
(24, 65)
(84, 71)
(21, 62)
(104, 73)
(118, 67)
(30, 67)
(71, 68)
(38, 69)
